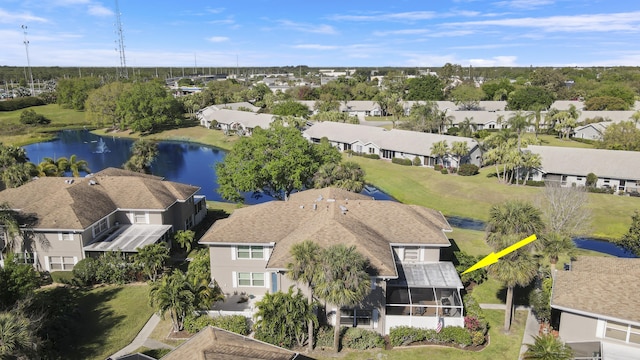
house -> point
(591, 131)
(361, 108)
(239, 106)
(389, 144)
(233, 121)
(74, 218)
(212, 343)
(616, 169)
(597, 300)
(410, 286)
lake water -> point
(194, 164)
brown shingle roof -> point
(601, 286)
(370, 225)
(73, 203)
(214, 343)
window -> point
(355, 317)
(65, 236)
(61, 262)
(250, 279)
(622, 332)
(492, 126)
(346, 146)
(25, 258)
(372, 150)
(100, 226)
(250, 252)
(188, 224)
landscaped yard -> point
(15, 133)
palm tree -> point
(444, 120)
(10, 225)
(16, 174)
(530, 161)
(185, 238)
(143, 153)
(345, 281)
(467, 127)
(47, 167)
(151, 259)
(439, 149)
(18, 339)
(514, 217)
(73, 165)
(518, 268)
(547, 347)
(518, 122)
(305, 268)
(174, 294)
(636, 117)
(459, 148)
(556, 244)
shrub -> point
(452, 170)
(234, 323)
(372, 156)
(324, 338)
(63, 277)
(468, 170)
(401, 161)
(20, 103)
(405, 335)
(477, 338)
(534, 183)
(454, 130)
(600, 190)
(362, 339)
(416, 161)
(591, 179)
(444, 171)
(437, 167)
(456, 335)
(84, 272)
(30, 117)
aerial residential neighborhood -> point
(456, 180)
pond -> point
(194, 164)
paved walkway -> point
(531, 327)
(142, 339)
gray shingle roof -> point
(603, 286)
(370, 225)
(248, 119)
(615, 164)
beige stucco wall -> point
(223, 266)
(49, 244)
(574, 327)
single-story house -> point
(592, 131)
(70, 219)
(615, 169)
(361, 108)
(597, 300)
(239, 106)
(595, 131)
(212, 343)
(389, 144)
(410, 285)
(229, 121)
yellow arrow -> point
(493, 257)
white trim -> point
(75, 260)
(233, 253)
(267, 280)
(46, 263)
(234, 279)
(374, 318)
(600, 328)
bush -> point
(455, 335)
(30, 117)
(405, 335)
(84, 272)
(452, 170)
(324, 337)
(362, 339)
(454, 130)
(477, 338)
(416, 161)
(444, 171)
(234, 323)
(402, 161)
(600, 190)
(592, 179)
(372, 156)
(437, 167)
(534, 183)
(63, 277)
(468, 170)
(20, 103)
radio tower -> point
(122, 70)
(26, 46)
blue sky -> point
(323, 33)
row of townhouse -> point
(69, 219)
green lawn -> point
(501, 346)
(111, 317)
(13, 132)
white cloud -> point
(218, 39)
(494, 61)
(13, 18)
(315, 47)
(524, 4)
(401, 16)
(402, 32)
(629, 22)
(310, 28)
(99, 10)
(215, 11)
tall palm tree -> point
(530, 161)
(18, 339)
(143, 153)
(73, 165)
(460, 149)
(518, 268)
(174, 294)
(16, 175)
(47, 167)
(467, 127)
(439, 149)
(185, 238)
(10, 225)
(547, 347)
(305, 267)
(444, 120)
(519, 122)
(514, 217)
(151, 259)
(345, 281)
(556, 244)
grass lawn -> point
(111, 317)
(196, 134)
(501, 346)
(14, 133)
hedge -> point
(468, 170)
(534, 183)
(352, 338)
(234, 323)
(20, 103)
(405, 335)
(402, 161)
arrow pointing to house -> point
(493, 257)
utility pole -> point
(26, 47)
(122, 70)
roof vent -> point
(315, 206)
(92, 182)
(344, 209)
(68, 181)
(331, 200)
(301, 206)
(319, 198)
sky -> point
(347, 33)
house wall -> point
(375, 302)
(178, 214)
(588, 133)
(52, 246)
(574, 327)
(225, 268)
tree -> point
(624, 135)
(497, 89)
(556, 244)
(30, 117)
(426, 87)
(185, 238)
(564, 123)
(73, 165)
(282, 318)
(345, 281)
(610, 103)
(467, 97)
(423, 117)
(277, 161)
(173, 294)
(15, 168)
(290, 108)
(466, 261)
(519, 122)
(565, 209)
(101, 103)
(18, 335)
(151, 259)
(618, 91)
(17, 281)
(529, 98)
(48, 167)
(143, 153)
(347, 175)
(439, 149)
(460, 149)
(547, 347)
(467, 127)
(206, 291)
(305, 269)
(146, 106)
(529, 161)
(631, 240)
(514, 217)
(73, 92)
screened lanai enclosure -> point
(423, 294)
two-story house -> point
(250, 252)
(70, 219)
